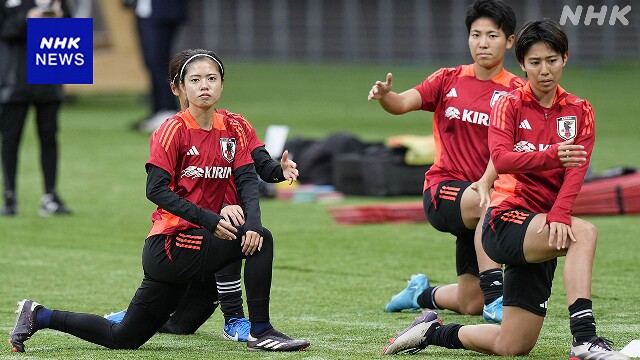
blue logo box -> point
(60, 51)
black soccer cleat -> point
(52, 205)
(25, 324)
(273, 340)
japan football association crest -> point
(567, 127)
(228, 148)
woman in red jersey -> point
(202, 298)
(192, 158)
(456, 188)
(541, 139)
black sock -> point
(581, 320)
(446, 336)
(427, 299)
(491, 284)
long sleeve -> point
(159, 193)
(502, 139)
(574, 177)
(247, 184)
(268, 169)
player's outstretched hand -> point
(224, 230)
(233, 214)
(251, 242)
(571, 155)
(289, 168)
(380, 89)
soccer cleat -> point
(273, 340)
(10, 204)
(492, 313)
(414, 338)
(51, 205)
(237, 329)
(116, 317)
(595, 349)
(25, 326)
(408, 298)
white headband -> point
(195, 56)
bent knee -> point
(587, 233)
(515, 349)
(471, 306)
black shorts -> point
(526, 285)
(443, 213)
(170, 263)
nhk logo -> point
(59, 51)
(617, 14)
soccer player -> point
(188, 240)
(201, 299)
(541, 139)
(456, 188)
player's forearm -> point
(159, 193)
(394, 103)
(571, 186)
(268, 169)
(247, 185)
(511, 162)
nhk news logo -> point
(60, 51)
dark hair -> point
(501, 13)
(178, 62)
(546, 31)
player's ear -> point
(565, 58)
(510, 40)
(174, 89)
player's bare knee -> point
(587, 234)
(515, 349)
(471, 307)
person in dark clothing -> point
(158, 23)
(16, 96)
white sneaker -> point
(151, 124)
(595, 349)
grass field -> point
(330, 282)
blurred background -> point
(410, 32)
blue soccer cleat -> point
(116, 317)
(408, 298)
(492, 313)
(237, 329)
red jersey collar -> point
(502, 78)
(218, 120)
(528, 93)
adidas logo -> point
(544, 304)
(525, 125)
(452, 93)
(193, 151)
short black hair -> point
(546, 31)
(501, 13)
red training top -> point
(461, 104)
(199, 161)
(524, 138)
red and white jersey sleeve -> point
(199, 161)
(524, 137)
(461, 104)
(253, 142)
